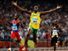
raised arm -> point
(20, 8)
(45, 12)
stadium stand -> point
(8, 11)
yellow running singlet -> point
(35, 20)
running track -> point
(39, 49)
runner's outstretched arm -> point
(51, 10)
(20, 8)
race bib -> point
(34, 20)
(55, 32)
(14, 27)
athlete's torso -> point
(35, 20)
(14, 25)
(55, 32)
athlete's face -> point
(35, 8)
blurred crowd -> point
(58, 18)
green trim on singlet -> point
(34, 31)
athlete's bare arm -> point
(45, 12)
(20, 8)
